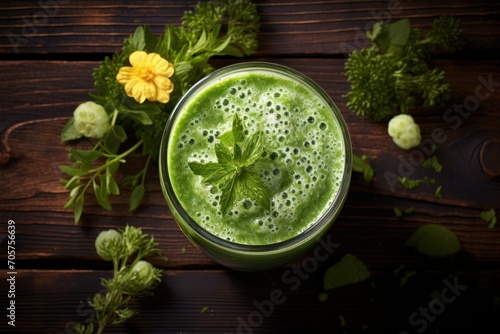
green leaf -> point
(432, 162)
(252, 150)
(72, 198)
(73, 171)
(136, 197)
(222, 46)
(112, 165)
(78, 207)
(120, 133)
(205, 169)
(229, 195)
(131, 180)
(392, 37)
(434, 240)
(227, 138)
(238, 129)
(69, 132)
(138, 41)
(438, 191)
(139, 116)
(398, 32)
(150, 39)
(254, 187)
(202, 41)
(359, 164)
(112, 185)
(237, 155)
(220, 176)
(102, 194)
(489, 216)
(348, 270)
(376, 30)
(397, 212)
(224, 155)
(409, 183)
(72, 183)
(111, 142)
(81, 155)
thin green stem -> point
(117, 157)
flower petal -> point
(163, 83)
(125, 74)
(137, 57)
(163, 96)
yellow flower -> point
(147, 78)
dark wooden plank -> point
(287, 27)
(52, 301)
(32, 195)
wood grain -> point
(234, 301)
(287, 28)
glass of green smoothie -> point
(255, 164)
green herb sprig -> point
(388, 77)
(132, 276)
(409, 183)
(489, 216)
(232, 173)
(361, 165)
(213, 28)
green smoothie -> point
(302, 163)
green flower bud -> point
(404, 132)
(91, 120)
(145, 273)
(102, 240)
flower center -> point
(144, 72)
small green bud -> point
(103, 239)
(91, 120)
(404, 132)
(145, 272)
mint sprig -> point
(232, 174)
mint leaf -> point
(252, 150)
(255, 188)
(224, 155)
(232, 172)
(204, 169)
(229, 195)
(238, 130)
(227, 138)
(220, 176)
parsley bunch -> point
(132, 276)
(390, 76)
(214, 28)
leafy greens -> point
(390, 76)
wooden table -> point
(48, 50)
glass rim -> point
(310, 232)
